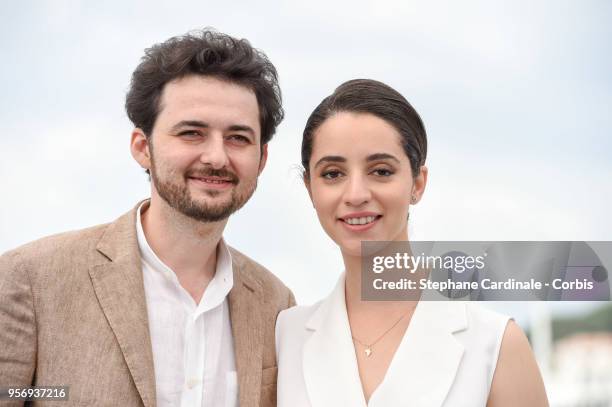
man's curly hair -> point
(204, 52)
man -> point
(155, 308)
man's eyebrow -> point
(241, 127)
(189, 123)
(381, 156)
(204, 125)
(330, 159)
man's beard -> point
(179, 197)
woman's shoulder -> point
(294, 317)
(483, 333)
(290, 331)
(299, 316)
(466, 317)
(482, 316)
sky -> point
(515, 97)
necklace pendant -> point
(368, 352)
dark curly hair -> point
(204, 52)
(373, 97)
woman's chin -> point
(350, 248)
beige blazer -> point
(73, 313)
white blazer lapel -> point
(330, 366)
(426, 362)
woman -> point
(363, 154)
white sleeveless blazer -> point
(447, 357)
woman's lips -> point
(361, 223)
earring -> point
(413, 199)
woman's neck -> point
(352, 292)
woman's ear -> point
(418, 188)
(306, 179)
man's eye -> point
(382, 172)
(331, 174)
(189, 133)
(239, 138)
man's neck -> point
(187, 246)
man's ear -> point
(263, 159)
(139, 146)
(420, 182)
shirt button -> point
(192, 382)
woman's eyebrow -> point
(381, 156)
(330, 159)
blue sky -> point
(515, 97)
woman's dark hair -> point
(205, 52)
(370, 96)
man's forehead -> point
(208, 88)
(209, 99)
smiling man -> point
(155, 308)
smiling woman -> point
(363, 152)
(367, 188)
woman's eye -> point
(382, 172)
(331, 174)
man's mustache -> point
(211, 172)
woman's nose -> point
(357, 192)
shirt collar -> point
(218, 288)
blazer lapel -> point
(426, 362)
(330, 366)
(119, 287)
(245, 304)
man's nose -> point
(357, 191)
(214, 153)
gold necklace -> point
(368, 347)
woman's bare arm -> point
(517, 380)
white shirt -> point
(446, 358)
(193, 350)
